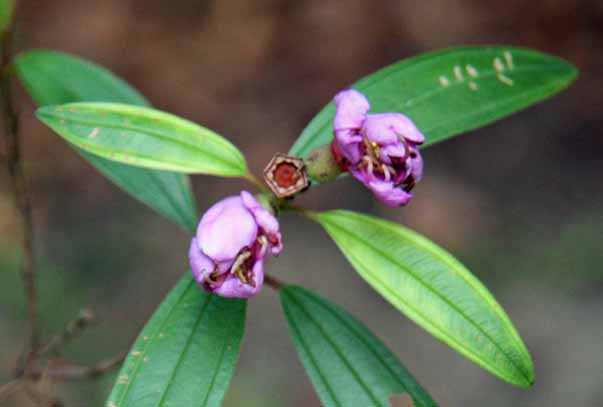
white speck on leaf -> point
(94, 132)
(509, 59)
(498, 65)
(458, 74)
(472, 71)
(472, 85)
(444, 81)
(505, 79)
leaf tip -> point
(527, 377)
(43, 113)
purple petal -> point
(348, 144)
(390, 195)
(385, 128)
(392, 150)
(233, 287)
(363, 176)
(201, 265)
(416, 164)
(352, 108)
(265, 220)
(225, 229)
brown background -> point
(519, 201)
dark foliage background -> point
(520, 202)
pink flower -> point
(233, 238)
(380, 150)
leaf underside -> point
(347, 364)
(54, 78)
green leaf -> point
(54, 78)
(347, 364)
(167, 192)
(186, 354)
(7, 8)
(494, 82)
(433, 289)
(144, 137)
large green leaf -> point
(347, 364)
(432, 288)
(144, 137)
(186, 354)
(452, 91)
(54, 78)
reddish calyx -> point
(286, 175)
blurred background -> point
(519, 202)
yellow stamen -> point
(238, 267)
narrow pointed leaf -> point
(186, 354)
(432, 288)
(452, 91)
(54, 78)
(347, 364)
(144, 137)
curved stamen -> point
(386, 173)
(369, 165)
(406, 147)
(373, 150)
(240, 269)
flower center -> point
(372, 149)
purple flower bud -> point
(233, 238)
(380, 150)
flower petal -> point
(233, 287)
(265, 220)
(352, 108)
(390, 195)
(392, 150)
(225, 229)
(386, 128)
(416, 164)
(201, 265)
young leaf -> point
(432, 288)
(452, 91)
(347, 364)
(54, 78)
(144, 137)
(7, 7)
(186, 354)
